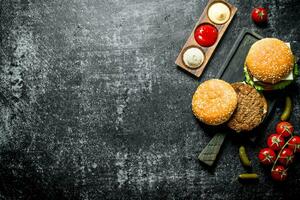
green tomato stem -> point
(278, 156)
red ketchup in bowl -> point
(206, 35)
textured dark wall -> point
(93, 107)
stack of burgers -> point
(269, 65)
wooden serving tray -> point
(208, 51)
(233, 71)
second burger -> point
(237, 105)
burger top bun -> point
(269, 60)
(214, 102)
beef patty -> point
(251, 109)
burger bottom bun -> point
(251, 109)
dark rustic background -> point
(93, 106)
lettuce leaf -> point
(277, 86)
(250, 81)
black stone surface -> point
(93, 107)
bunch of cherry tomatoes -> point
(281, 150)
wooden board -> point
(208, 51)
(233, 71)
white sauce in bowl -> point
(193, 57)
(219, 13)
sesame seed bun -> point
(251, 109)
(214, 102)
(269, 60)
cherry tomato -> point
(206, 35)
(259, 15)
(279, 173)
(267, 156)
(294, 144)
(286, 157)
(284, 128)
(275, 142)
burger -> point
(270, 65)
(238, 105)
